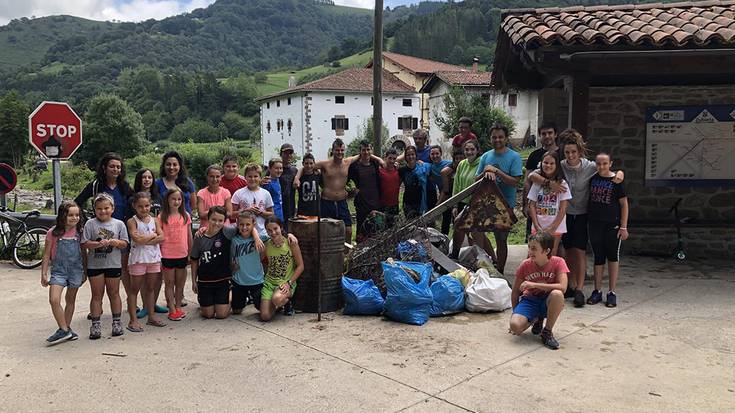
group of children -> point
(238, 234)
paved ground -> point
(667, 347)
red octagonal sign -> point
(55, 130)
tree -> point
(110, 125)
(195, 130)
(13, 129)
(366, 133)
(459, 103)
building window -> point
(289, 124)
(339, 99)
(408, 123)
(372, 101)
(268, 126)
(267, 105)
(513, 99)
(289, 101)
(407, 102)
(278, 103)
(340, 124)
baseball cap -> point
(286, 147)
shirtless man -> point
(334, 175)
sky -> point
(127, 10)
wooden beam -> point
(579, 93)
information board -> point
(690, 146)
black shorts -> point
(214, 293)
(108, 272)
(174, 263)
(336, 210)
(576, 235)
(240, 294)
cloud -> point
(124, 10)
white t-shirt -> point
(547, 205)
(244, 198)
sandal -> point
(134, 329)
(156, 323)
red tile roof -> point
(660, 25)
(417, 64)
(465, 78)
(349, 80)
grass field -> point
(278, 81)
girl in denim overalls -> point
(63, 254)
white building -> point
(521, 105)
(312, 115)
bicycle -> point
(25, 244)
(679, 253)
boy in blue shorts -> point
(538, 290)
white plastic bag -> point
(485, 293)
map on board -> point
(690, 145)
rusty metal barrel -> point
(306, 297)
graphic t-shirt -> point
(233, 184)
(390, 186)
(213, 256)
(281, 264)
(107, 257)
(604, 204)
(249, 268)
(274, 188)
(245, 198)
(548, 274)
(509, 162)
(547, 205)
(414, 184)
(308, 190)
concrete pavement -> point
(668, 346)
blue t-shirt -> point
(274, 188)
(508, 162)
(187, 195)
(121, 202)
(250, 268)
(424, 154)
(435, 179)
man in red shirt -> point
(390, 184)
(465, 134)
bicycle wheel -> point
(28, 248)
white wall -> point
(312, 130)
(272, 141)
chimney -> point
(475, 61)
(291, 81)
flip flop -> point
(156, 323)
(134, 329)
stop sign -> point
(55, 130)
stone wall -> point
(617, 125)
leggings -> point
(605, 241)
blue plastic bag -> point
(408, 301)
(411, 251)
(448, 296)
(361, 297)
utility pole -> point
(378, 79)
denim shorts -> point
(66, 277)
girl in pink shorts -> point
(144, 261)
(176, 225)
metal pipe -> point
(633, 53)
(378, 79)
(56, 165)
(319, 254)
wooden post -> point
(579, 93)
(378, 79)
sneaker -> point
(288, 309)
(537, 326)
(612, 300)
(161, 309)
(117, 329)
(184, 303)
(595, 297)
(569, 293)
(59, 336)
(89, 315)
(176, 315)
(578, 298)
(142, 313)
(547, 337)
(95, 330)
(74, 336)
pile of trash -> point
(416, 287)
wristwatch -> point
(290, 283)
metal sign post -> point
(56, 167)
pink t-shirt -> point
(176, 239)
(211, 200)
(51, 240)
(548, 274)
